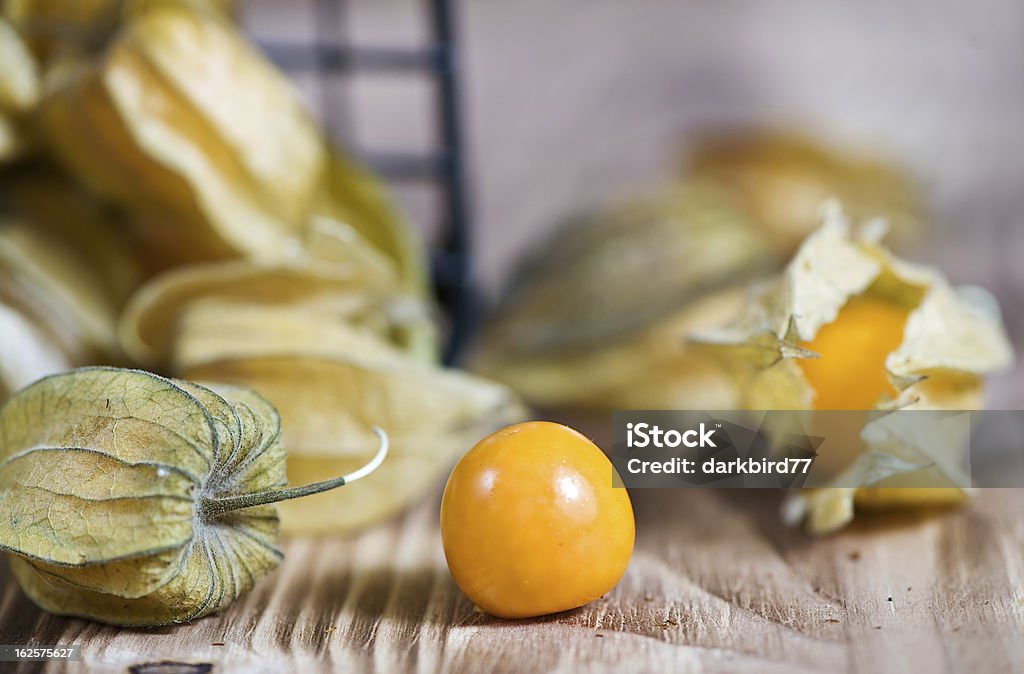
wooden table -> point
(716, 585)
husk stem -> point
(212, 507)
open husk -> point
(952, 337)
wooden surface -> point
(716, 585)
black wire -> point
(451, 259)
(329, 16)
(453, 270)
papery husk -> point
(54, 311)
(27, 351)
(65, 273)
(592, 320)
(106, 478)
(57, 208)
(353, 195)
(19, 93)
(410, 305)
(56, 28)
(329, 404)
(19, 77)
(953, 336)
(55, 291)
(783, 178)
(651, 369)
(184, 124)
(212, 330)
(13, 141)
(313, 338)
(53, 283)
(79, 28)
(318, 291)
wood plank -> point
(716, 584)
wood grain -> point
(716, 584)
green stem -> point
(212, 506)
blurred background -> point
(576, 105)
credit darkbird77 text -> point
(736, 466)
(644, 435)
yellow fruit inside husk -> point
(848, 326)
(849, 373)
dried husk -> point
(782, 179)
(12, 139)
(64, 277)
(49, 280)
(137, 500)
(58, 29)
(352, 197)
(28, 352)
(381, 244)
(60, 210)
(212, 330)
(313, 339)
(19, 92)
(110, 482)
(311, 290)
(330, 402)
(592, 320)
(649, 369)
(952, 338)
(65, 273)
(184, 124)
(19, 78)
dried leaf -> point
(137, 500)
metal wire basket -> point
(444, 167)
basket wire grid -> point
(444, 167)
